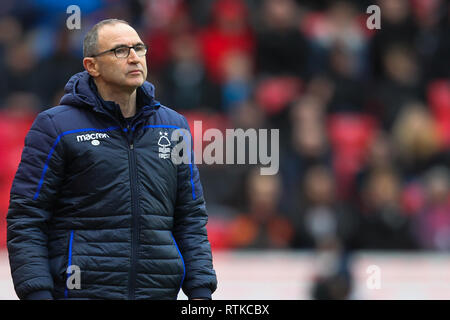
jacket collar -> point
(81, 91)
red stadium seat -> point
(209, 121)
(350, 135)
(12, 137)
(274, 94)
(439, 101)
(312, 24)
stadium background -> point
(364, 119)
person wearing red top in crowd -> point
(229, 32)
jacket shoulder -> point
(168, 116)
(64, 117)
(61, 111)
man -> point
(96, 191)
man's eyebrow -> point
(124, 45)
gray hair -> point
(90, 43)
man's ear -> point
(91, 66)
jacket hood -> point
(79, 93)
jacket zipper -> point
(135, 218)
(134, 207)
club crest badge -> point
(164, 144)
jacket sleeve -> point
(190, 220)
(33, 192)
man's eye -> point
(139, 48)
(121, 51)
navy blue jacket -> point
(100, 193)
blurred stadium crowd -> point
(364, 115)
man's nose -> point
(133, 57)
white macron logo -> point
(93, 137)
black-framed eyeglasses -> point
(124, 51)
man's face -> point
(130, 72)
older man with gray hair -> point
(103, 216)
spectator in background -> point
(321, 87)
(228, 31)
(59, 67)
(247, 115)
(20, 68)
(337, 24)
(281, 49)
(321, 216)
(400, 85)
(417, 141)
(165, 21)
(306, 146)
(440, 63)
(184, 80)
(349, 91)
(384, 225)
(21, 104)
(430, 17)
(10, 31)
(398, 28)
(237, 85)
(380, 156)
(432, 224)
(262, 226)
